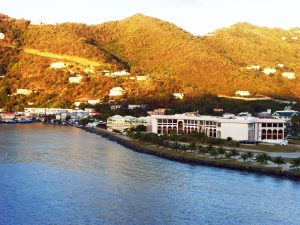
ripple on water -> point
(62, 175)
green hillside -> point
(175, 60)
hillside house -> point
(116, 91)
(269, 71)
(2, 36)
(253, 67)
(58, 65)
(23, 92)
(289, 75)
(94, 101)
(122, 73)
(160, 111)
(115, 107)
(142, 78)
(243, 93)
(283, 38)
(280, 65)
(75, 79)
(294, 38)
(121, 123)
(178, 95)
(78, 103)
(286, 114)
(143, 106)
(8, 116)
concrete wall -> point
(236, 131)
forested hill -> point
(175, 60)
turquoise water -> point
(62, 175)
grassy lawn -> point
(294, 141)
(271, 148)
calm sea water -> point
(62, 175)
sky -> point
(196, 16)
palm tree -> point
(221, 151)
(262, 158)
(234, 153)
(210, 148)
(228, 155)
(278, 160)
(192, 146)
(244, 157)
(250, 155)
(215, 153)
(295, 163)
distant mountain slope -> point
(162, 49)
(175, 60)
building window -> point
(280, 125)
(263, 134)
(280, 134)
(275, 124)
(269, 124)
(264, 125)
(269, 134)
(159, 120)
(275, 134)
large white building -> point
(238, 128)
(122, 123)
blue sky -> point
(195, 16)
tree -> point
(214, 153)
(221, 151)
(250, 155)
(228, 155)
(234, 153)
(209, 148)
(295, 163)
(262, 158)
(192, 146)
(278, 160)
(295, 124)
(244, 157)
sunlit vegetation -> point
(175, 60)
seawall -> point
(190, 158)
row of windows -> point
(201, 122)
(272, 124)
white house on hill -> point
(117, 74)
(76, 79)
(2, 36)
(253, 67)
(178, 96)
(289, 75)
(243, 93)
(116, 91)
(23, 92)
(269, 71)
(58, 65)
(93, 101)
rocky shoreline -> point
(190, 159)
